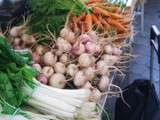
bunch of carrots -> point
(100, 16)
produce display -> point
(58, 63)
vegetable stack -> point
(102, 16)
(19, 87)
(74, 48)
(83, 16)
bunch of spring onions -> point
(58, 102)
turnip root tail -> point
(117, 93)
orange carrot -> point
(114, 9)
(116, 16)
(88, 22)
(79, 20)
(82, 17)
(96, 21)
(104, 22)
(119, 26)
(125, 22)
(97, 10)
(106, 13)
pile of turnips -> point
(81, 59)
(19, 37)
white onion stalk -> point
(59, 102)
(69, 100)
(88, 110)
(49, 109)
(38, 115)
(50, 101)
(81, 94)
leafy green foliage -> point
(11, 110)
(7, 88)
(76, 6)
(7, 108)
(14, 75)
(7, 55)
(28, 74)
(52, 13)
(12, 81)
(44, 14)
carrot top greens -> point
(52, 13)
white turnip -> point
(104, 82)
(58, 52)
(89, 73)
(68, 35)
(90, 47)
(85, 60)
(63, 45)
(17, 31)
(108, 49)
(57, 80)
(35, 57)
(84, 38)
(79, 79)
(40, 49)
(87, 86)
(102, 68)
(64, 58)
(110, 59)
(49, 59)
(28, 39)
(47, 71)
(59, 67)
(117, 51)
(93, 35)
(78, 49)
(37, 67)
(72, 69)
(17, 41)
(42, 78)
